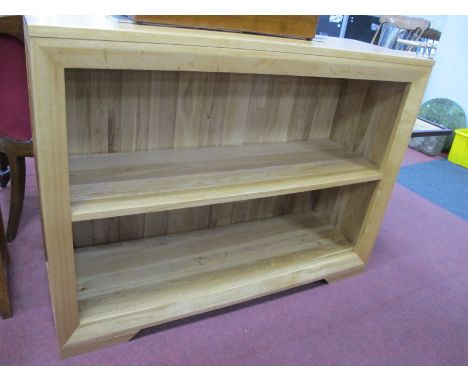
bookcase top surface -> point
(106, 28)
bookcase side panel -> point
(345, 207)
(365, 116)
(392, 158)
(47, 100)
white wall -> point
(449, 78)
(437, 22)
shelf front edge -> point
(84, 336)
(119, 207)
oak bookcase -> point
(181, 171)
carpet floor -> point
(440, 181)
(410, 307)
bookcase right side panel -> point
(376, 121)
(365, 116)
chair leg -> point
(5, 304)
(4, 170)
(18, 180)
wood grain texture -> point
(345, 207)
(365, 115)
(172, 179)
(73, 349)
(302, 27)
(392, 158)
(184, 220)
(344, 274)
(144, 282)
(106, 109)
(134, 90)
(342, 207)
(89, 29)
(47, 94)
(87, 54)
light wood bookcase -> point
(181, 171)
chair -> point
(15, 126)
(430, 38)
(395, 28)
(5, 305)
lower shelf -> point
(136, 284)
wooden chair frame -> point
(5, 304)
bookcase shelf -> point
(181, 171)
(143, 282)
(108, 185)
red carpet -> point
(410, 307)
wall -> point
(449, 77)
(437, 22)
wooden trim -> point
(101, 28)
(142, 56)
(344, 275)
(390, 167)
(47, 92)
(213, 175)
(72, 350)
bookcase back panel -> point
(111, 111)
(130, 110)
(101, 231)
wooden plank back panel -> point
(111, 230)
(117, 111)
